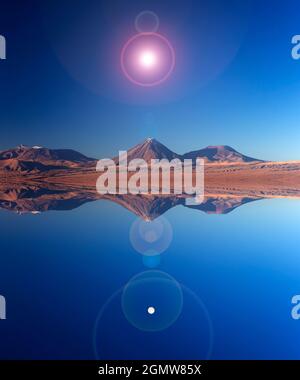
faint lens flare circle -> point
(146, 21)
(191, 337)
(152, 293)
(151, 238)
(147, 59)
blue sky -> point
(235, 82)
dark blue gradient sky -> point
(235, 82)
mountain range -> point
(39, 159)
(153, 149)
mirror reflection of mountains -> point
(35, 199)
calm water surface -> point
(222, 289)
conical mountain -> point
(150, 149)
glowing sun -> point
(148, 59)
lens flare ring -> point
(146, 14)
(151, 238)
(204, 322)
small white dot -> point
(151, 310)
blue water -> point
(63, 275)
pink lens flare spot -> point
(147, 59)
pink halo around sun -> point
(147, 59)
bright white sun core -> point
(148, 59)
